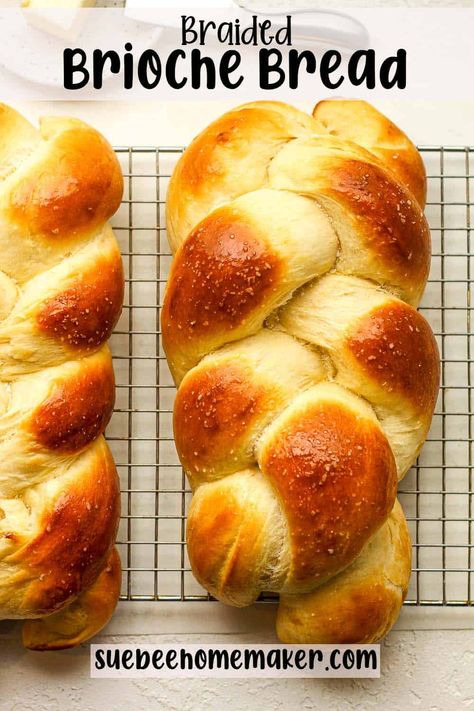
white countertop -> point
(176, 122)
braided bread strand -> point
(307, 379)
(62, 291)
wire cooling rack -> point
(437, 493)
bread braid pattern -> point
(62, 291)
(306, 377)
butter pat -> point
(61, 18)
(58, 3)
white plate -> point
(33, 55)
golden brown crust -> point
(63, 279)
(360, 605)
(218, 166)
(294, 486)
(84, 314)
(76, 186)
(360, 122)
(75, 536)
(395, 346)
(408, 168)
(380, 348)
(78, 409)
(213, 411)
(225, 540)
(219, 276)
(394, 227)
(361, 617)
(81, 619)
(236, 267)
(336, 479)
(382, 231)
(224, 404)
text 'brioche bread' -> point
(62, 291)
(306, 377)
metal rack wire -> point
(437, 493)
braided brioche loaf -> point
(61, 294)
(307, 379)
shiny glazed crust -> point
(62, 291)
(307, 379)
